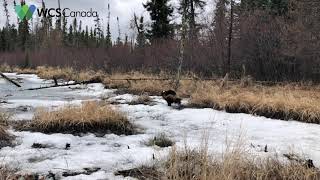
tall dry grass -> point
(235, 164)
(286, 102)
(67, 73)
(5, 68)
(151, 87)
(6, 174)
(89, 117)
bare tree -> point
(5, 6)
(230, 37)
(182, 41)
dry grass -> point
(68, 73)
(65, 73)
(6, 174)
(141, 173)
(89, 117)
(150, 84)
(235, 164)
(160, 140)
(5, 138)
(5, 68)
(10, 174)
(151, 87)
(286, 102)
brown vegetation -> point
(5, 138)
(234, 164)
(198, 164)
(89, 117)
(142, 173)
(297, 102)
(6, 174)
(160, 140)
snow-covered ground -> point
(112, 152)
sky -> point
(124, 9)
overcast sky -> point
(124, 9)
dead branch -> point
(65, 85)
(10, 80)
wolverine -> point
(171, 97)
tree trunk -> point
(230, 39)
(182, 44)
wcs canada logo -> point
(26, 12)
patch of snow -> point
(110, 153)
(124, 98)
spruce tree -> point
(3, 42)
(86, 37)
(108, 37)
(23, 31)
(70, 36)
(276, 7)
(160, 13)
(64, 31)
(190, 7)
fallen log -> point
(10, 80)
(64, 85)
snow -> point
(109, 152)
(113, 152)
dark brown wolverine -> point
(171, 97)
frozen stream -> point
(112, 152)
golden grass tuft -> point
(5, 68)
(90, 117)
(151, 87)
(280, 101)
(235, 164)
(66, 73)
